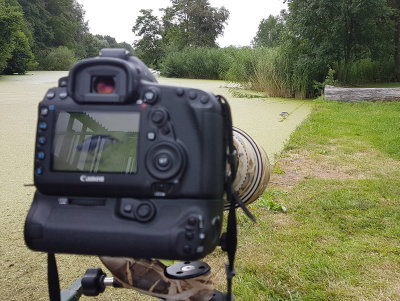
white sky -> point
(117, 17)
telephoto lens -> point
(253, 168)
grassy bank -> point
(339, 178)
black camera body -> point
(125, 166)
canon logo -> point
(91, 179)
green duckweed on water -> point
(19, 96)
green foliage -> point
(50, 27)
(341, 32)
(192, 23)
(329, 80)
(269, 31)
(60, 58)
(149, 47)
(270, 70)
(268, 201)
(368, 71)
(21, 57)
(54, 24)
(11, 22)
(338, 239)
(196, 62)
(378, 126)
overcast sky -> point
(117, 17)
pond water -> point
(19, 95)
(259, 117)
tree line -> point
(294, 54)
(46, 35)
(186, 23)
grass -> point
(339, 239)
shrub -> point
(60, 58)
(367, 71)
(196, 62)
(262, 69)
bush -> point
(263, 69)
(196, 62)
(60, 58)
(367, 71)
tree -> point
(187, 23)
(269, 31)
(55, 23)
(339, 31)
(148, 47)
(36, 16)
(21, 56)
(15, 52)
(193, 23)
(9, 19)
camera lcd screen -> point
(96, 142)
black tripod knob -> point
(93, 282)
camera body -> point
(125, 166)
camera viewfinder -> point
(103, 84)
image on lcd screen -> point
(96, 142)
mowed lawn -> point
(339, 239)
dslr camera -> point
(125, 166)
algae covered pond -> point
(19, 95)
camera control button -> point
(151, 136)
(180, 91)
(63, 82)
(39, 171)
(50, 95)
(127, 208)
(204, 99)
(42, 140)
(165, 130)
(159, 117)
(200, 249)
(192, 95)
(150, 96)
(145, 212)
(44, 111)
(43, 126)
(163, 161)
(41, 155)
(63, 95)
